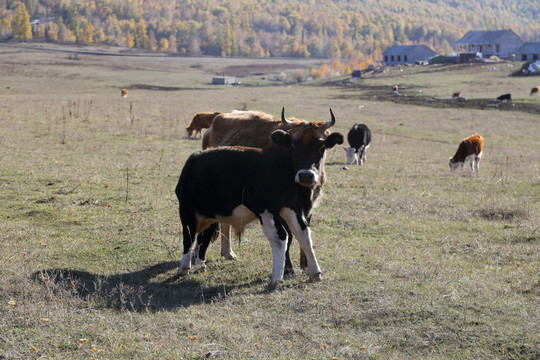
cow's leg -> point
(300, 229)
(188, 233)
(277, 235)
(196, 249)
(289, 271)
(477, 158)
(205, 238)
(226, 249)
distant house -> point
(529, 52)
(407, 54)
(224, 80)
(501, 43)
(45, 21)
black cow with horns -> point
(238, 185)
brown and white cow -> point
(469, 150)
(202, 120)
(535, 90)
(254, 129)
(274, 185)
(124, 93)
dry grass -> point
(418, 262)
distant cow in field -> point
(505, 97)
(254, 129)
(535, 90)
(238, 185)
(469, 150)
(456, 94)
(124, 93)
(202, 120)
(359, 138)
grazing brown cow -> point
(202, 120)
(469, 150)
(456, 94)
(535, 90)
(254, 129)
(124, 93)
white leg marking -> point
(200, 265)
(185, 264)
(471, 159)
(278, 247)
(304, 239)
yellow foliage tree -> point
(21, 23)
(163, 44)
(87, 33)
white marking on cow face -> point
(454, 165)
(352, 157)
(278, 247)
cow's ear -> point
(281, 137)
(333, 139)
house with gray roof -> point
(529, 52)
(501, 43)
(407, 54)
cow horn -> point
(284, 119)
(332, 121)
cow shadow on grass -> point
(146, 290)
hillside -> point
(339, 29)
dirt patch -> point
(382, 93)
(247, 70)
(158, 88)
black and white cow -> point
(238, 185)
(359, 139)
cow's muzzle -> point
(306, 178)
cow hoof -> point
(288, 274)
(231, 256)
(316, 277)
(183, 271)
(273, 286)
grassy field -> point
(418, 262)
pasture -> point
(418, 262)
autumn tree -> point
(87, 33)
(21, 23)
(141, 37)
(5, 27)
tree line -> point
(334, 29)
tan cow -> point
(202, 120)
(124, 93)
(469, 150)
(535, 90)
